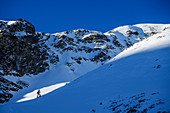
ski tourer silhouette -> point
(38, 93)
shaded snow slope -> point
(137, 79)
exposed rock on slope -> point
(21, 51)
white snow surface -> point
(11, 22)
(142, 68)
(148, 28)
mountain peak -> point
(20, 27)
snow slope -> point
(136, 79)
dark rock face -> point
(6, 86)
(3, 24)
(95, 37)
(20, 53)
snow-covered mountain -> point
(65, 56)
(136, 80)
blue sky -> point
(52, 16)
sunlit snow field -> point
(45, 90)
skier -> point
(38, 93)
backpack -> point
(38, 92)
